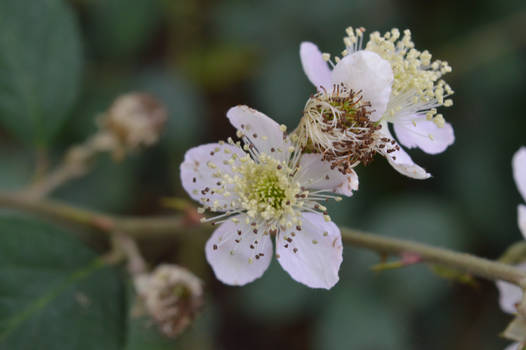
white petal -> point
(368, 72)
(317, 174)
(314, 254)
(401, 161)
(198, 169)
(519, 170)
(316, 69)
(417, 131)
(514, 346)
(509, 295)
(263, 132)
(233, 262)
(521, 215)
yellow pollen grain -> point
(415, 74)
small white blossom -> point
(397, 83)
(510, 295)
(519, 174)
(262, 188)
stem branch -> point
(461, 261)
(146, 227)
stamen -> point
(337, 125)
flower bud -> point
(172, 296)
(134, 119)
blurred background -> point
(200, 57)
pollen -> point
(417, 78)
(266, 187)
(337, 125)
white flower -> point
(267, 187)
(510, 295)
(514, 346)
(519, 174)
(400, 84)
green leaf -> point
(111, 182)
(354, 318)
(258, 300)
(119, 28)
(40, 67)
(143, 333)
(423, 219)
(54, 292)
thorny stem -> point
(137, 227)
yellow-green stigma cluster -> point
(267, 191)
(266, 188)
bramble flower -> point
(387, 82)
(511, 295)
(267, 187)
(519, 174)
(172, 296)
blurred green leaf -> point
(40, 67)
(143, 333)
(55, 293)
(186, 113)
(17, 168)
(424, 219)
(108, 187)
(354, 319)
(119, 28)
(282, 88)
(260, 300)
(219, 67)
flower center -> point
(337, 125)
(267, 190)
(265, 187)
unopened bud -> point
(172, 296)
(135, 119)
